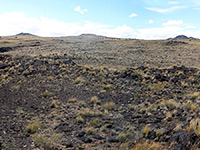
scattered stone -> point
(87, 140)
(113, 140)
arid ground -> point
(94, 92)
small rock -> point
(81, 134)
(109, 126)
(87, 140)
(69, 145)
(152, 135)
(98, 137)
(113, 140)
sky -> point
(140, 19)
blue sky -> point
(143, 19)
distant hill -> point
(91, 36)
(24, 34)
(87, 35)
(182, 37)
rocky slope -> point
(51, 102)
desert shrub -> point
(15, 87)
(149, 146)
(90, 131)
(54, 103)
(96, 123)
(146, 130)
(47, 139)
(190, 106)
(19, 110)
(123, 137)
(109, 106)
(47, 94)
(193, 107)
(132, 107)
(79, 80)
(194, 125)
(72, 100)
(90, 113)
(142, 110)
(193, 95)
(50, 78)
(95, 100)
(169, 116)
(170, 104)
(159, 132)
(184, 84)
(108, 87)
(33, 127)
(156, 87)
(79, 119)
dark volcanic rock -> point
(113, 140)
(87, 140)
(174, 43)
(81, 134)
(184, 140)
(5, 49)
(3, 66)
(68, 145)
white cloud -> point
(174, 2)
(165, 10)
(173, 23)
(16, 22)
(133, 15)
(78, 9)
(150, 22)
(190, 27)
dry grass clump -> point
(96, 123)
(107, 87)
(50, 78)
(194, 125)
(72, 100)
(123, 137)
(79, 80)
(193, 107)
(87, 112)
(47, 94)
(95, 100)
(48, 139)
(109, 106)
(169, 116)
(146, 130)
(33, 127)
(15, 87)
(132, 107)
(54, 103)
(159, 132)
(80, 119)
(194, 95)
(170, 104)
(184, 84)
(149, 146)
(190, 106)
(156, 87)
(90, 131)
